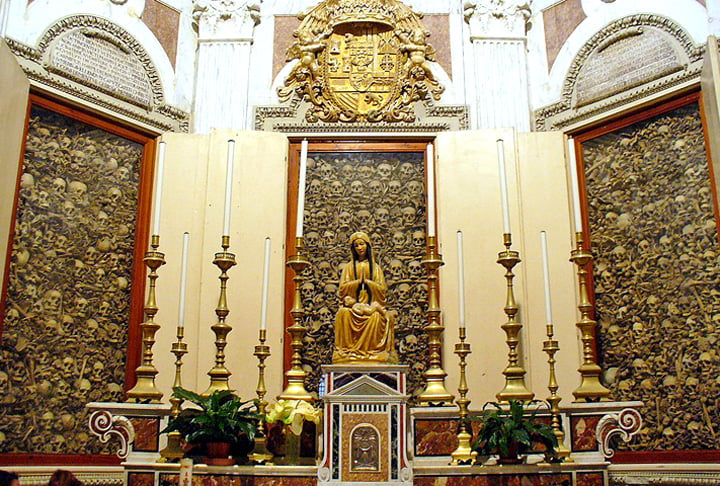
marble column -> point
(497, 34)
(225, 34)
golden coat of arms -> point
(361, 60)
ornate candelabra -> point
(295, 389)
(172, 451)
(590, 388)
(145, 389)
(514, 372)
(550, 346)
(260, 453)
(435, 392)
(219, 374)
(464, 454)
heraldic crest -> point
(361, 61)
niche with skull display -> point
(382, 194)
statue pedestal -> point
(364, 426)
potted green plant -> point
(220, 422)
(512, 430)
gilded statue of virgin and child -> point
(364, 328)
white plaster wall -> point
(28, 24)
(545, 88)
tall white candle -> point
(157, 199)
(265, 285)
(503, 186)
(575, 187)
(461, 279)
(183, 279)
(228, 185)
(546, 277)
(301, 188)
(431, 190)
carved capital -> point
(225, 19)
(624, 425)
(497, 18)
(104, 425)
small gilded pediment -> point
(364, 386)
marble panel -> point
(141, 479)
(147, 433)
(560, 20)
(582, 430)
(589, 479)
(164, 22)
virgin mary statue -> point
(364, 329)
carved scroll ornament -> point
(361, 61)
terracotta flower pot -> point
(218, 454)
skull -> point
(59, 185)
(27, 180)
(376, 188)
(78, 191)
(407, 169)
(384, 171)
(394, 187)
(314, 187)
(96, 373)
(114, 195)
(328, 238)
(68, 366)
(325, 315)
(47, 420)
(356, 188)
(614, 335)
(324, 271)
(307, 291)
(415, 188)
(408, 216)
(420, 292)
(122, 173)
(418, 238)
(4, 380)
(344, 220)
(321, 219)
(330, 293)
(51, 301)
(364, 219)
(415, 268)
(336, 189)
(313, 239)
(57, 444)
(103, 309)
(326, 172)
(69, 209)
(640, 366)
(403, 292)
(416, 315)
(347, 171)
(382, 217)
(398, 239)
(41, 200)
(396, 270)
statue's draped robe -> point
(364, 336)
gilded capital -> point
(225, 19)
(497, 18)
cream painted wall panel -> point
(193, 200)
(469, 200)
(14, 87)
(183, 209)
(545, 206)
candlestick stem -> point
(295, 389)
(219, 374)
(550, 346)
(145, 390)
(590, 388)
(464, 454)
(260, 454)
(435, 392)
(514, 372)
(173, 451)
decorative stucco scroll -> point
(623, 425)
(105, 425)
(497, 18)
(225, 19)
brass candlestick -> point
(590, 388)
(219, 374)
(464, 454)
(260, 453)
(550, 346)
(173, 451)
(514, 372)
(295, 389)
(435, 392)
(145, 389)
